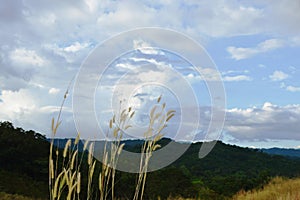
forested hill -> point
(23, 161)
(225, 171)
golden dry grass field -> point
(278, 189)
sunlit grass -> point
(278, 189)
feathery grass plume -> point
(85, 145)
(77, 139)
(51, 171)
(91, 163)
(118, 124)
(90, 155)
(78, 183)
(55, 189)
(159, 98)
(54, 126)
(68, 144)
(67, 181)
(73, 159)
(90, 178)
(157, 122)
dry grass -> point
(157, 122)
(117, 125)
(278, 189)
(66, 180)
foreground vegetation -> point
(5, 196)
(66, 173)
(278, 188)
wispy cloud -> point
(239, 53)
(293, 88)
(278, 76)
(237, 78)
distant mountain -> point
(293, 153)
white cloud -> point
(293, 88)
(75, 47)
(72, 54)
(13, 107)
(146, 48)
(237, 78)
(270, 44)
(92, 5)
(268, 122)
(27, 108)
(53, 91)
(210, 74)
(278, 76)
(289, 88)
(261, 66)
(234, 72)
(239, 53)
(23, 56)
(207, 74)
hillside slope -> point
(278, 188)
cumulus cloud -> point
(239, 53)
(278, 76)
(267, 122)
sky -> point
(255, 46)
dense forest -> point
(227, 170)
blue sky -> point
(254, 44)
